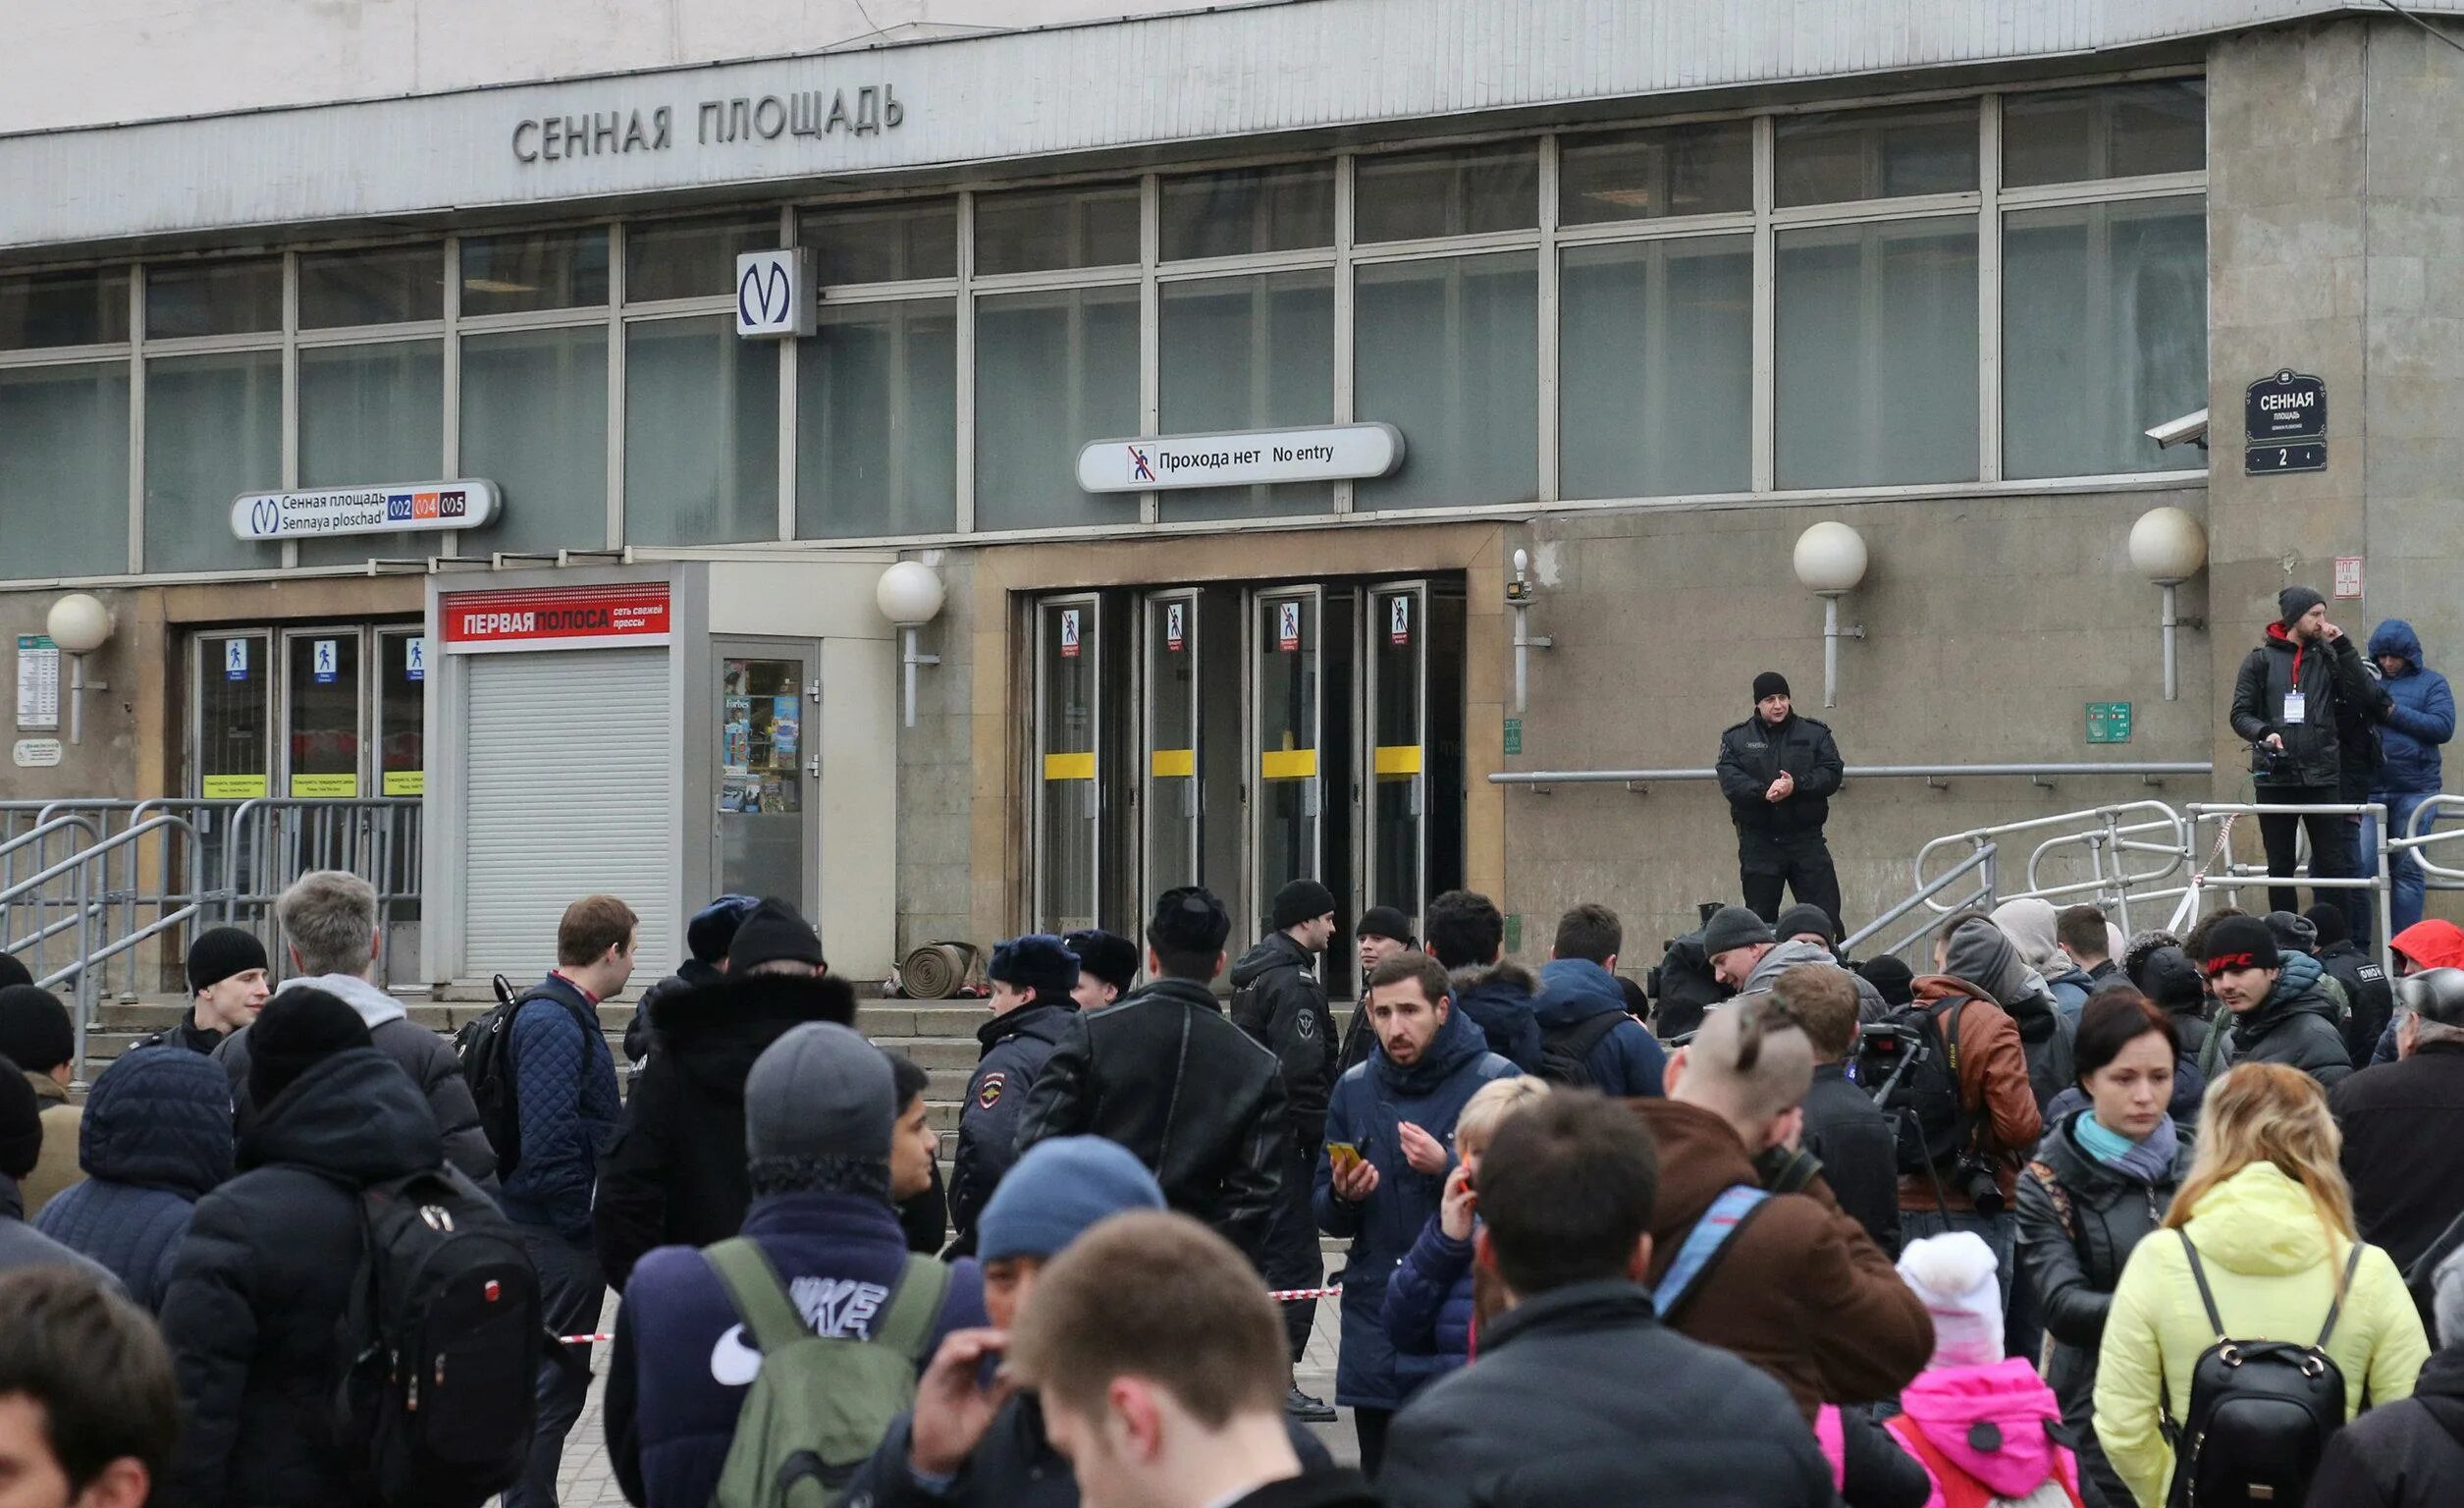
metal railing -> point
(1640, 781)
(2109, 834)
(81, 869)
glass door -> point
(232, 698)
(1068, 751)
(1286, 718)
(323, 712)
(1396, 655)
(764, 769)
(402, 657)
(1170, 802)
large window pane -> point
(390, 284)
(876, 422)
(87, 307)
(1040, 230)
(1255, 353)
(213, 298)
(64, 460)
(1876, 361)
(2103, 333)
(892, 243)
(691, 258)
(1878, 154)
(535, 422)
(701, 437)
(213, 430)
(1452, 191)
(1448, 351)
(535, 270)
(371, 415)
(1248, 210)
(1053, 370)
(1655, 368)
(2071, 135)
(1704, 169)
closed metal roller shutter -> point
(570, 791)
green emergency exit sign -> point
(2109, 722)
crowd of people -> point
(2065, 1217)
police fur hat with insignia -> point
(1112, 960)
(1037, 961)
(1189, 925)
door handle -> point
(1309, 801)
(1094, 799)
(1416, 795)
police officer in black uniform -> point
(1777, 771)
(1033, 982)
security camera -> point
(2189, 429)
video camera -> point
(1886, 1053)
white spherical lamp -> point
(909, 594)
(1830, 558)
(79, 624)
(2167, 545)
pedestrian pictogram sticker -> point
(1176, 627)
(324, 663)
(1399, 620)
(415, 659)
(1069, 633)
(1288, 626)
(236, 659)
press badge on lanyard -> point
(2296, 709)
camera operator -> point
(2000, 1122)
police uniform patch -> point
(988, 1094)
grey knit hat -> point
(821, 1092)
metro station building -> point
(1636, 291)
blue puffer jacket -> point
(1627, 1061)
(1369, 1104)
(1429, 1300)
(564, 1082)
(2422, 719)
(155, 1140)
(1499, 1000)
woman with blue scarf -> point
(2098, 1186)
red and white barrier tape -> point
(1280, 1296)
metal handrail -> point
(2240, 877)
(1859, 773)
(82, 864)
(1982, 857)
(2418, 842)
(2106, 815)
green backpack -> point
(821, 1403)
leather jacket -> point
(1167, 1075)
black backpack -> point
(441, 1347)
(2261, 1412)
(485, 1045)
(1566, 1051)
(1909, 1062)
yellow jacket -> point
(2273, 1271)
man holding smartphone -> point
(1389, 1134)
(2293, 691)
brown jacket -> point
(57, 1168)
(1800, 1291)
(1992, 1087)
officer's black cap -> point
(1189, 920)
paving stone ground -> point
(587, 1480)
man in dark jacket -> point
(2279, 1012)
(1586, 1038)
(1396, 1114)
(567, 1109)
(1778, 771)
(1855, 1145)
(2369, 995)
(962, 1447)
(674, 1174)
(227, 987)
(329, 922)
(2004, 1120)
(1033, 978)
(1581, 1394)
(1800, 1289)
(2419, 718)
(1467, 935)
(1279, 999)
(1973, 948)
(821, 1141)
(2172, 981)
(2409, 1453)
(2287, 700)
(267, 1270)
(706, 939)
(155, 1140)
(1167, 1076)
(1107, 968)
(2403, 1123)
(1383, 931)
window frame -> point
(1987, 206)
